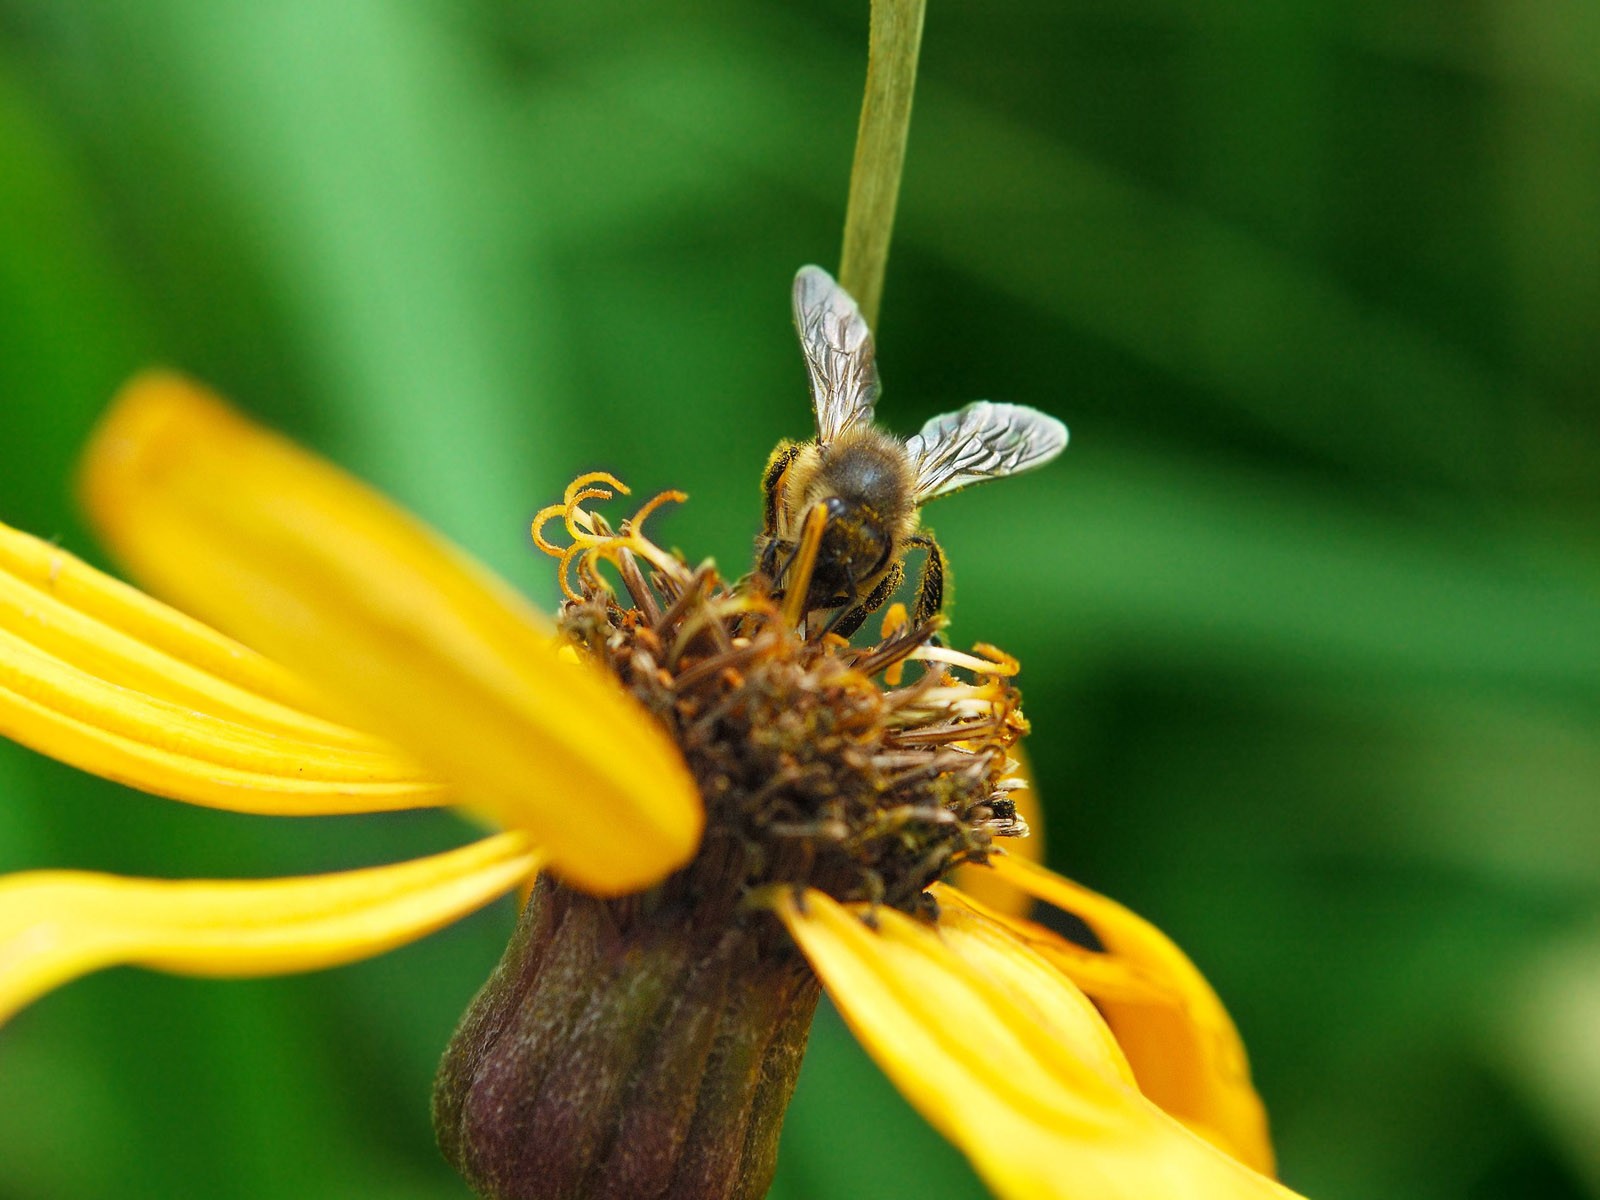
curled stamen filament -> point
(571, 508)
(636, 522)
(594, 540)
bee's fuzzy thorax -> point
(867, 467)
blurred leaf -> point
(365, 184)
(1548, 1041)
(70, 324)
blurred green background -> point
(1308, 612)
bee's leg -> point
(767, 560)
(771, 490)
(847, 620)
(931, 582)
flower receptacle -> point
(618, 1053)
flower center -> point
(867, 772)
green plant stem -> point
(893, 44)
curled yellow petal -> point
(989, 888)
(58, 925)
(406, 634)
(1006, 1059)
(1183, 1046)
(103, 677)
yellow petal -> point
(1183, 1046)
(101, 676)
(58, 925)
(409, 636)
(63, 606)
(990, 889)
(1006, 1059)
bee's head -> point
(841, 510)
(856, 543)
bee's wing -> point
(982, 441)
(839, 355)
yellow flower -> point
(1059, 1070)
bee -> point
(866, 486)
